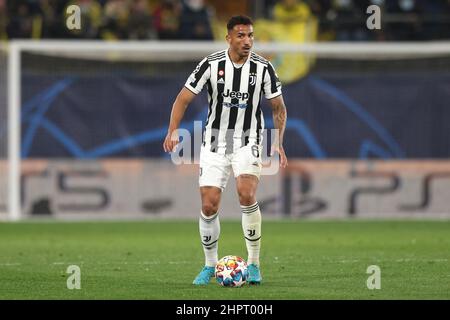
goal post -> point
(3, 131)
(155, 51)
(14, 132)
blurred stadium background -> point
(83, 115)
(368, 132)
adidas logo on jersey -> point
(221, 81)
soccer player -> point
(235, 79)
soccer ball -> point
(231, 271)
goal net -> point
(89, 118)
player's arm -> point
(192, 87)
(279, 119)
(182, 101)
(272, 92)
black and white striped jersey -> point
(235, 118)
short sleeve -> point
(272, 85)
(198, 77)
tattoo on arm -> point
(279, 119)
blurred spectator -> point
(140, 21)
(48, 20)
(408, 26)
(348, 21)
(3, 20)
(20, 21)
(116, 18)
(166, 18)
(342, 20)
(320, 8)
(436, 11)
(195, 21)
(291, 11)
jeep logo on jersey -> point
(236, 95)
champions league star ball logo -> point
(231, 271)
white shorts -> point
(215, 168)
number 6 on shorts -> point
(255, 151)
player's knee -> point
(209, 208)
(247, 197)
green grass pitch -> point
(159, 259)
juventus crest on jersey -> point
(234, 118)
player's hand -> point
(280, 150)
(171, 141)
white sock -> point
(209, 236)
(251, 225)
